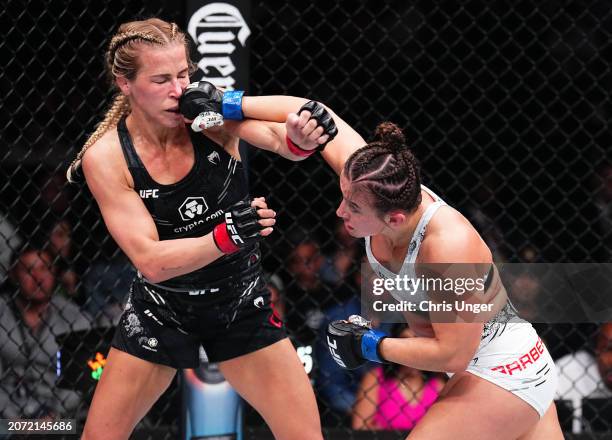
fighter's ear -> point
(396, 218)
(123, 84)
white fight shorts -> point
(517, 360)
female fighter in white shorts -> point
(503, 378)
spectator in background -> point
(394, 396)
(306, 293)
(582, 375)
(31, 317)
(338, 266)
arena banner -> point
(221, 32)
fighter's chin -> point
(353, 232)
(172, 120)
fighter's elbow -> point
(150, 269)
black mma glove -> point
(209, 106)
(240, 228)
(319, 113)
(351, 342)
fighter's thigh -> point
(127, 390)
(547, 428)
(473, 408)
(274, 382)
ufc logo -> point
(232, 229)
(148, 193)
(234, 233)
(333, 346)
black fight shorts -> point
(168, 327)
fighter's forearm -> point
(274, 108)
(422, 353)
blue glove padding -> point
(232, 105)
(369, 345)
(203, 97)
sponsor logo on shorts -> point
(148, 343)
(192, 207)
(524, 361)
(259, 302)
(132, 325)
(214, 158)
(203, 291)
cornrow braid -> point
(125, 37)
(388, 170)
(118, 108)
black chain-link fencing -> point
(506, 107)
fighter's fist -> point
(245, 223)
(311, 128)
(351, 342)
(208, 106)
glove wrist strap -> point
(232, 105)
(223, 240)
(370, 342)
(298, 151)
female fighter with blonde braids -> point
(176, 203)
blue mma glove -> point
(208, 106)
(352, 342)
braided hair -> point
(387, 170)
(121, 59)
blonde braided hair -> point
(121, 59)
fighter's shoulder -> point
(106, 147)
(105, 155)
(452, 238)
